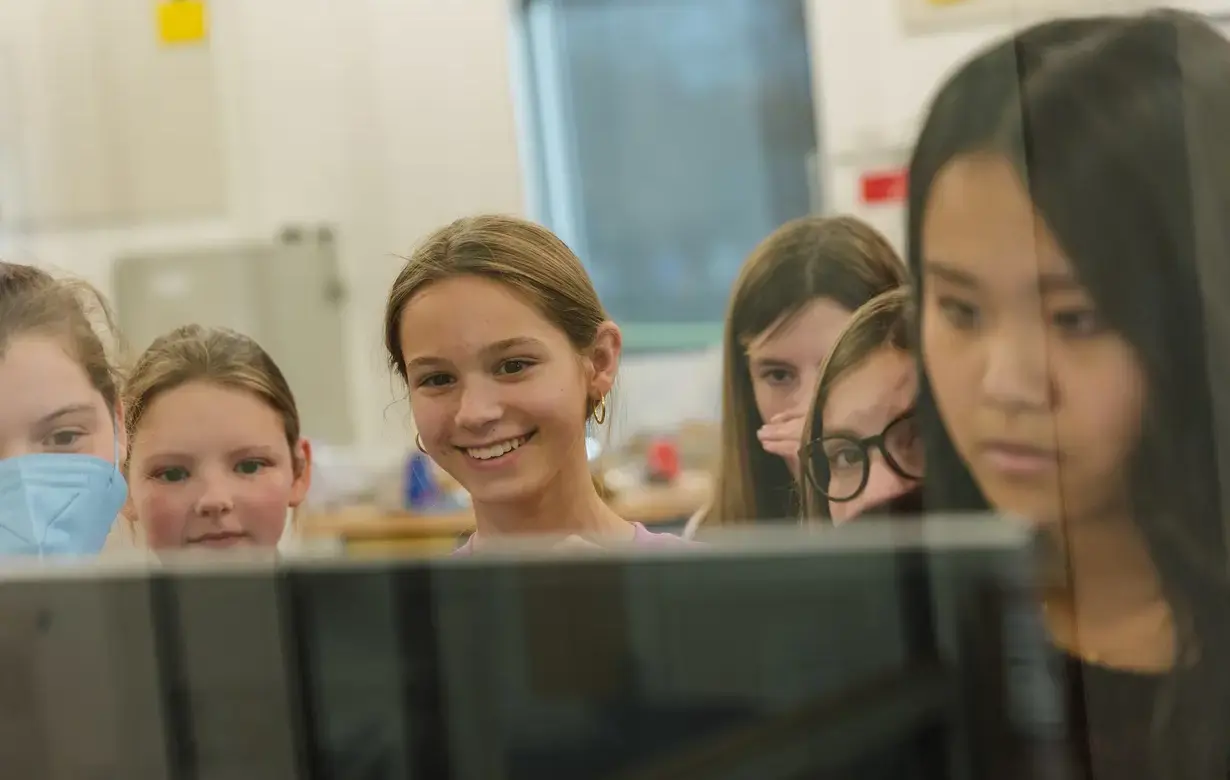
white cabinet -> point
(287, 296)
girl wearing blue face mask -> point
(61, 432)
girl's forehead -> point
(38, 378)
(981, 230)
(468, 315)
(874, 391)
(806, 333)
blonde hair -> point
(882, 322)
(839, 258)
(193, 353)
(527, 258)
(69, 310)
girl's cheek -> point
(268, 503)
(162, 517)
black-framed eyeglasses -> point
(838, 466)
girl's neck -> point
(1103, 599)
(569, 504)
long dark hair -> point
(1119, 128)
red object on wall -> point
(883, 187)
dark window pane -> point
(680, 133)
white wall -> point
(873, 82)
(386, 119)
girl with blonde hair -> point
(217, 457)
(507, 354)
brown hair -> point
(72, 311)
(522, 255)
(882, 322)
(193, 353)
(839, 258)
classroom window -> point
(670, 137)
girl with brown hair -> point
(863, 452)
(507, 353)
(217, 457)
(61, 431)
(795, 293)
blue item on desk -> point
(420, 490)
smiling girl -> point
(507, 353)
(216, 454)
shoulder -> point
(648, 538)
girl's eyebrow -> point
(63, 411)
(947, 273)
(1047, 282)
(858, 416)
(768, 362)
(252, 450)
(492, 349)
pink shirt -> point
(641, 536)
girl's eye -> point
(515, 366)
(960, 314)
(171, 475)
(435, 380)
(777, 376)
(1077, 322)
(845, 457)
(63, 439)
(250, 466)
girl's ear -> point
(126, 524)
(604, 358)
(302, 455)
(129, 511)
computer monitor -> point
(144, 670)
(894, 651)
(876, 651)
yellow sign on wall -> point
(182, 21)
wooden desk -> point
(369, 528)
(657, 504)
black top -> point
(1073, 720)
(1110, 712)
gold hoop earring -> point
(600, 411)
(418, 439)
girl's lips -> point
(1018, 460)
(220, 539)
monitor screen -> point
(902, 651)
(880, 653)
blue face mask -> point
(58, 504)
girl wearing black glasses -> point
(861, 452)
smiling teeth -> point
(496, 450)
